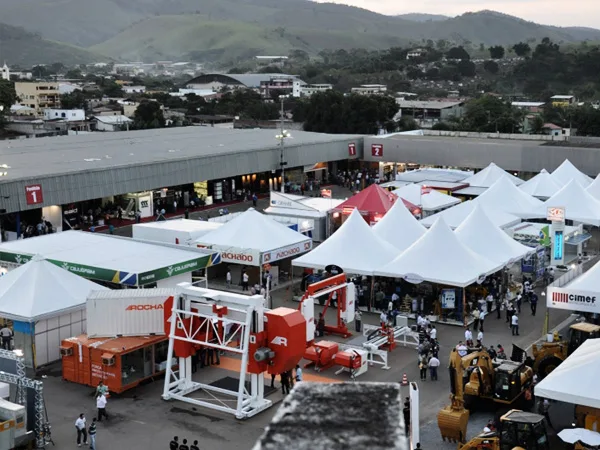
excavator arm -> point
(453, 419)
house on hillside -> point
(370, 89)
(111, 123)
(217, 81)
(428, 113)
(551, 129)
(416, 53)
(562, 100)
(529, 107)
(38, 95)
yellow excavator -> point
(548, 355)
(473, 377)
(517, 430)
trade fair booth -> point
(457, 214)
(177, 231)
(486, 178)
(505, 196)
(427, 199)
(399, 227)
(304, 226)
(304, 209)
(578, 294)
(579, 205)
(541, 186)
(112, 260)
(45, 304)
(567, 172)
(257, 242)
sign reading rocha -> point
(34, 194)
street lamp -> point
(282, 136)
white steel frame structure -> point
(244, 313)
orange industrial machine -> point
(266, 341)
(321, 355)
(121, 363)
(335, 286)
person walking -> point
(101, 405)
(92, 433)
(6, 334)
(434, 363)
(423, 367)
(321, 326)
(81, 431)
(533, 303)
(480, 338)
(273, 380)
(507, 308)
(285, 383)
(489, 300)
(174, 444)
(383, 319)
(515, 324)
(469, 337)
(482, 317)
(433, 333)
(519, 301)
(298, 374)
(357, 320)
(245, 280)
(497, 302)
(476, 315)
(254, 200)
(228, 278)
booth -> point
(428, 199)
(579, 205)
(582, 294)
(594, 188)
(110, 259)
(567, 172)
(457, 214)
(45, 304)
(177, 231)
(142, 202)
(542, 186)
(399, 227)
(505, 196)
(304, 226)
(304, 209)
(372, 203)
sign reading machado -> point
(286, 252)
(568, 299)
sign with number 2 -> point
(377, 150)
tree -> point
(8, 97)
(491, 67)
(496, 52)
(41, 72)
(110, 88)
(148, 115)
(536, 125)
(73, 74)
(489, 114)
(457, 53)
(73, 100)
(522, 49)
(466, 68)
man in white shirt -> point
(482, 319)
(515, 324)
(433, 333)
(101, 405)
(480, 338)
(81, 431)
(245, 279)
(468, 337)
(434, 363)
(228, 278)
(461, 349)
(383, 319)
(395, 298)
(6, 335)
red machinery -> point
(321, 355)
(345, 301)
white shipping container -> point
(126, 312)
(182, 231)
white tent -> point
(594, 188)
(579, 204)
(46, 304)
(457, 214)
(575, 380)
(399, 227)
(432, 201)
(567, 172)
(483, 237)
(541, 186)
(354, 247)
(178, 231)
(488, 176)
(254, 239)
(505, 196)
(587, 282)
(439, 257)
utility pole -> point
(282, 136)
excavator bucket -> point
(453, 424)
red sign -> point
(326, 193)
(425, 190)
(352, 149)
(34, 194)
(377, 150)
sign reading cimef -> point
(34, 194)
(556, 214)
(584, 301)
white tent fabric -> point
(505, 196)
(40, 289)
(575, 380)
(594, 188)
(488, 176)
(252, 230)
(588, 281)
(431, 201)
(483, 237)
(354, 247)
(579, 204)
(572, 435)
(567, 172)
(457, 214)
(541, 186)
(439, 257)
(399, 227)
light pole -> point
(282, 136)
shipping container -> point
(178, 231)
(121, 363)
(126, 312)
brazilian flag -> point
(545, 236)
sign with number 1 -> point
(34, 194)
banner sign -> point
(571, 300)
(352, 149)
(377, 150)
(173, 270)
(34, 194)
(448, 299)
(556, 214)
(286, 252)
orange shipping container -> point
(121, 363)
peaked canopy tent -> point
(439, 257)
(254, 239)
(542, 186)
(488, 176)
(399, 227)
(355, 247)
(504, 195)
(46, 304)
(567, 172)
(429, 200)
(483, 237)
(594, 188)
(177, 231)
(575, 380)
(457, 214)
(372, 203)
(579, 204)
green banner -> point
(176, 269)
(15, 258)
(95, 273)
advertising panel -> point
(243, 256)
(175, 269)
(571, 300)
(351, 149)
(377, 150)
(286, 252)
(34, 194)
(448, 299)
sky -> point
(584, 13)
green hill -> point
(20, 47)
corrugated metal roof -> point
(251, 80)
(113, 120)
(426, 105)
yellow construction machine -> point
(476, 377)
(517, 430)
(548, 355)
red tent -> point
(372, 203)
